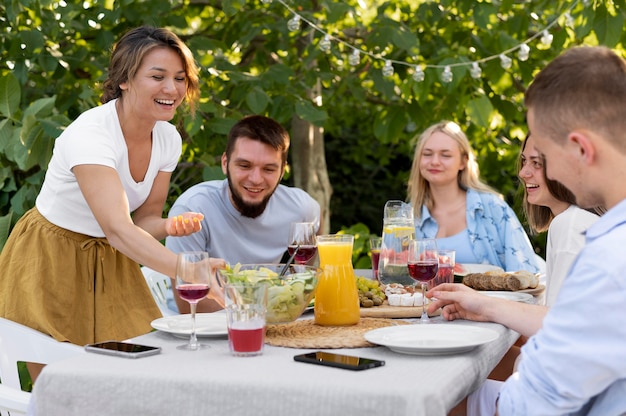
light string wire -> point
(388, 62)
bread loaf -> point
(498, 280)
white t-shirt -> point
(96, 138)
(565, 240)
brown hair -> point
(130, 50)
(585, 87)
(418, 188)
(262, 129)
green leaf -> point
(479, 111)
(257, 100)
(5, 226)
(41, 107)
(10, 95)
(307, 111)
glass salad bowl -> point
(287, 296)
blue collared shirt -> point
(496, 235)
(576, 364)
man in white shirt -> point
(247, 215)
(575, 360)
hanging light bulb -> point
(505, 61)
(446, 75)
(418, 74)
(354, 58)
(388, 69)
(524, 51)
(325, 44)
(294, 23)
(546, 38)
(476, 72)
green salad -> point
(287, 296)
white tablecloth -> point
(212, 382)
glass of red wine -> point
(193, 282)
(302, 237)
(423, 264)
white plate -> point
(207, 324)
(477, 268)
(431, 339)
(515, 296)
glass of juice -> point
(246, 306)
(445, 274)
(336, 295)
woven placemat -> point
(306, 334)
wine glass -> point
(302, 237)
(193, 282)
(423, 264)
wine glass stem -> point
(193, 341)
(424, 317)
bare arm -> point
(461, 302)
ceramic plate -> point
(467, 268)
(431, 339)
(515, 296)
(207, 325)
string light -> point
(523, 49)
(388, 69)
(446, 75)
(476, 72)
(418, 74)
(294, 23)
(524, 52)
(355, 58)
(325, 44)
(546, 38)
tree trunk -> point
(309, 165)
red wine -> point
(423, 272)
(193, 292)
(304, 254)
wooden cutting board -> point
(386, 311)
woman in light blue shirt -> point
(452, 204)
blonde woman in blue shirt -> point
(452, 204)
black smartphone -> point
(338, 360)
(122, 349)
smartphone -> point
(337, 360)
(122, 349)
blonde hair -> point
(418, 188)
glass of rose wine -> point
(423, 264)
(302, 237)
(193, 282)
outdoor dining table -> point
(213, 382)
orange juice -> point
(336, 296)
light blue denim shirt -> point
(576, 363)
(496, 235)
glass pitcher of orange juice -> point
(336, 296)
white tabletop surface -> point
(212, 382)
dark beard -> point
(244, 208)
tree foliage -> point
(53, 55)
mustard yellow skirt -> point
(72, 286)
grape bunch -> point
(370, 292)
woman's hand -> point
(458, 302)
(184, 224)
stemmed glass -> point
(193, 282)
(423, 264)
(302, 238)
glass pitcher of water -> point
(398, 230)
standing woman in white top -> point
(550, 206)
(71, 266)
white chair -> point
(21, 343)
(159, 285)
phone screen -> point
(124, 349)
(338, 360)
